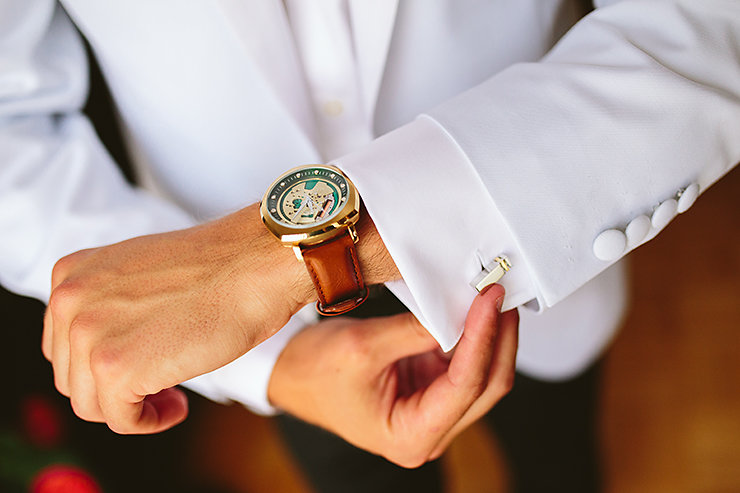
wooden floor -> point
(671, 402)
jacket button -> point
(687, 197)
(610, 245)
(664, 213)
(637, 230)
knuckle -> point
(46, 347)
(409, 461)
(81, 410)
(507, 383)
(477, 385)
(62, 267)
(60, 385)
(407, 453)
(106, 364)
(437, 453)
(80, 332)
(119, 427)
(46, 351)
(62, 296)
(502, 385)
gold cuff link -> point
(491, 273)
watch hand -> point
(326, 206)
(299, 210)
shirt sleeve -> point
(60, 191)
(565, 165)
(431, 208)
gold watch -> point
(314, 209)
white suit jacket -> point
(496, 134)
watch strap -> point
(335, 271)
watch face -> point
(307, 197)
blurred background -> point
(670, 405)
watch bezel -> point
(297, 235)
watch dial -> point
(307, 197)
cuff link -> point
(491, 273)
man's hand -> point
(383, 385)
(136, 318)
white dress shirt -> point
(467, 133)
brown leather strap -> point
(335, 272)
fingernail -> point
(499, 303)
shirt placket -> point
(323, 36)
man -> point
(563, 159)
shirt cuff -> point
(438, 222)
(246, 379)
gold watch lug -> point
(298, 254)
(352, 233)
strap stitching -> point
(355, 265)
(317, 282)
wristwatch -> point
(314, 209)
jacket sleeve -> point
(59, 189)
(565, 164)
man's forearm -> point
(130, 320)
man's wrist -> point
(282, 276)
(376, 263)
(282, 273)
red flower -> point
(58, 478)
(41, 421)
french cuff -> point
(246, 379)
(438, 222)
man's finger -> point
(59, 349)
(447, 399)
(46, 335)
(153, 414)
(64, 266)
(82, 389)
(500, 380)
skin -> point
(127, 323)
(391, 391)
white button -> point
(610, 245)
(637, 230)
(688, 197)
(664, 213)
(333, 108)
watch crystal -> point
(308, 197)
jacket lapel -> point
(263, 29)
